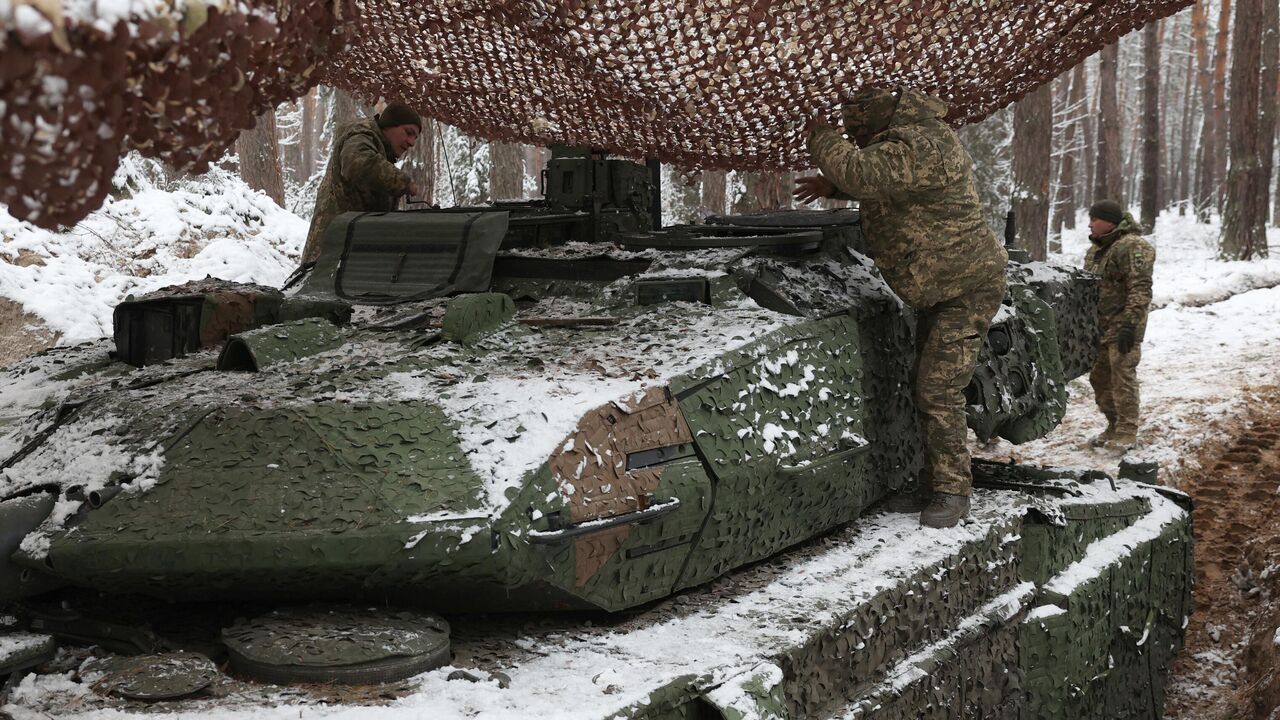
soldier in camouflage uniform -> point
(361, 176)
(1123, 261)
(926, 231)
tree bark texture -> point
(1244, 218)
(1215, 142)
(1032, 142)
(1108, 181)
(259, 151)
(713, 193)
(1150, 125)
(1091, 126)
(1192, 99)
(764, 191)
(344, 107)
(506, 180)
(1269, 98)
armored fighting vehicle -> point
(535, 406)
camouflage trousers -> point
(948, 337)
(1115, 386)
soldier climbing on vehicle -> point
(361, 176)
(1123, 261)
(927, 232)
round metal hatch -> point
(155, 677)
(338, 644)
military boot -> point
(1102, 438)
(945, 510)
(1122, 440)
(908, 501)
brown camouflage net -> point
(697, 83)
(78, 92)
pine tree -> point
(1151, 125)
(1244, 233)
(1032, 142)
(1107, 178)
(259, 151)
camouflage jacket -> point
(360, 178)
(924, 223)
(1123, 261)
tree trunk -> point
(1089, 153)
(1269, 98)
(1219, 151)
(1058, 151)
(1205, 185)
(1195, 61)
(344, 107)
(713, 193)
(307, 137)
(259, 152)
(1065, 215)
(1108, 181)
(764, 191)
(420, 162)
(1166, 41)
(1244, 217)
(1032, 141)
(506, 179)
(1150, 125)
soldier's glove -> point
(1125, 339)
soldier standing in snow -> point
(1123, 261)
(361, 176)
(927, 233)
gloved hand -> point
(812, 188)
(1125, 339)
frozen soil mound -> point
(21, 333)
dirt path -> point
(1228, 669)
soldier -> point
(361, 176)
(1123, 261)
(926, 230)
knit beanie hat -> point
(1108, 210)
(397, 114)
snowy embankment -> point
(1214, 332)
(150, 233)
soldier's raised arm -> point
(880, 171)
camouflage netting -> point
(709, 83)
(82, 83)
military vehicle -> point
(543, 406)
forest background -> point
(1180, 115)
